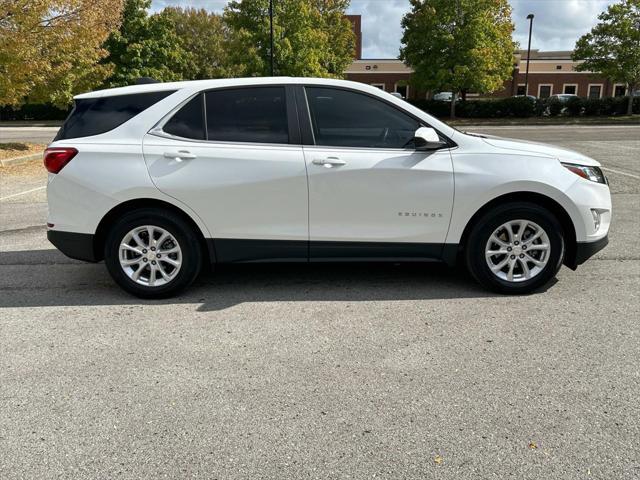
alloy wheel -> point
(517, 250)
(150, 256)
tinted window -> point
(247, 115)
(188, 122)
(350, 119)
(93, 116)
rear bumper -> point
(79, 246)
(586, 250)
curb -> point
(18, 160)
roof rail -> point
(146, 80)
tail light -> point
(56, 158)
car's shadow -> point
(41, 278)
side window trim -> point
(304, 107)
(203, 106)
(304, 116)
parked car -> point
(443, 96)
(530, 97)
(562, 97)
(397, 95)
(161, 179)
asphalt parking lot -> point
(324, 372)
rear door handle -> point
(180, 155)
(329, 162)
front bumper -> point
(586, 250)
(79, 246)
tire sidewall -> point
(485, 227)
(182, 232)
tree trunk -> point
(452, 112)
(463, 94)
(630, 104)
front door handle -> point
(180, 155)
(329, 162)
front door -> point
(370, 193)
(228, 155)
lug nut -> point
(153, 262)
(144, 250)
(158, 255)
(144, 259)
(509, 249)
(522, 255)
(153, 249)
(513, 257)
(516, 243)
(524, 247)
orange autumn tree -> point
(50, 49)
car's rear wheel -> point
(515, 248)
(153, 253)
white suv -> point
(160, 179)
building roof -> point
(549, 55)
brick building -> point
(549, 73)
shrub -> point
(518, 106)
(34, 111)
(593, 106)
(575, 105)
(554, 106)
(523, 107)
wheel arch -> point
(549, 203)
(116, 212)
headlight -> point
(588, 173)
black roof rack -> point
(145, 80)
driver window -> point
(344, 118)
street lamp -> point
(271, 28)
(526, 75)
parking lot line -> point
(620, 172)
(22, 193)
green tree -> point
(459, 45)
(311, 37)
(203, 36)
(144, 46)
(50, 49)
(613, 46)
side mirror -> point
(426, 138)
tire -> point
(526, 275)
(178, 258)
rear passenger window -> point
(247, 115)
(93, 116)
(188, 122)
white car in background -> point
(443, 96)
(161, 179)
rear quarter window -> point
(93, 116)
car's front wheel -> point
(152, 253)
(515, 248)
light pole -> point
(526, 75)
(271, 28)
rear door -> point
(371, 194)
(233, 155)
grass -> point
(19, 149)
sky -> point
(556, 26)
